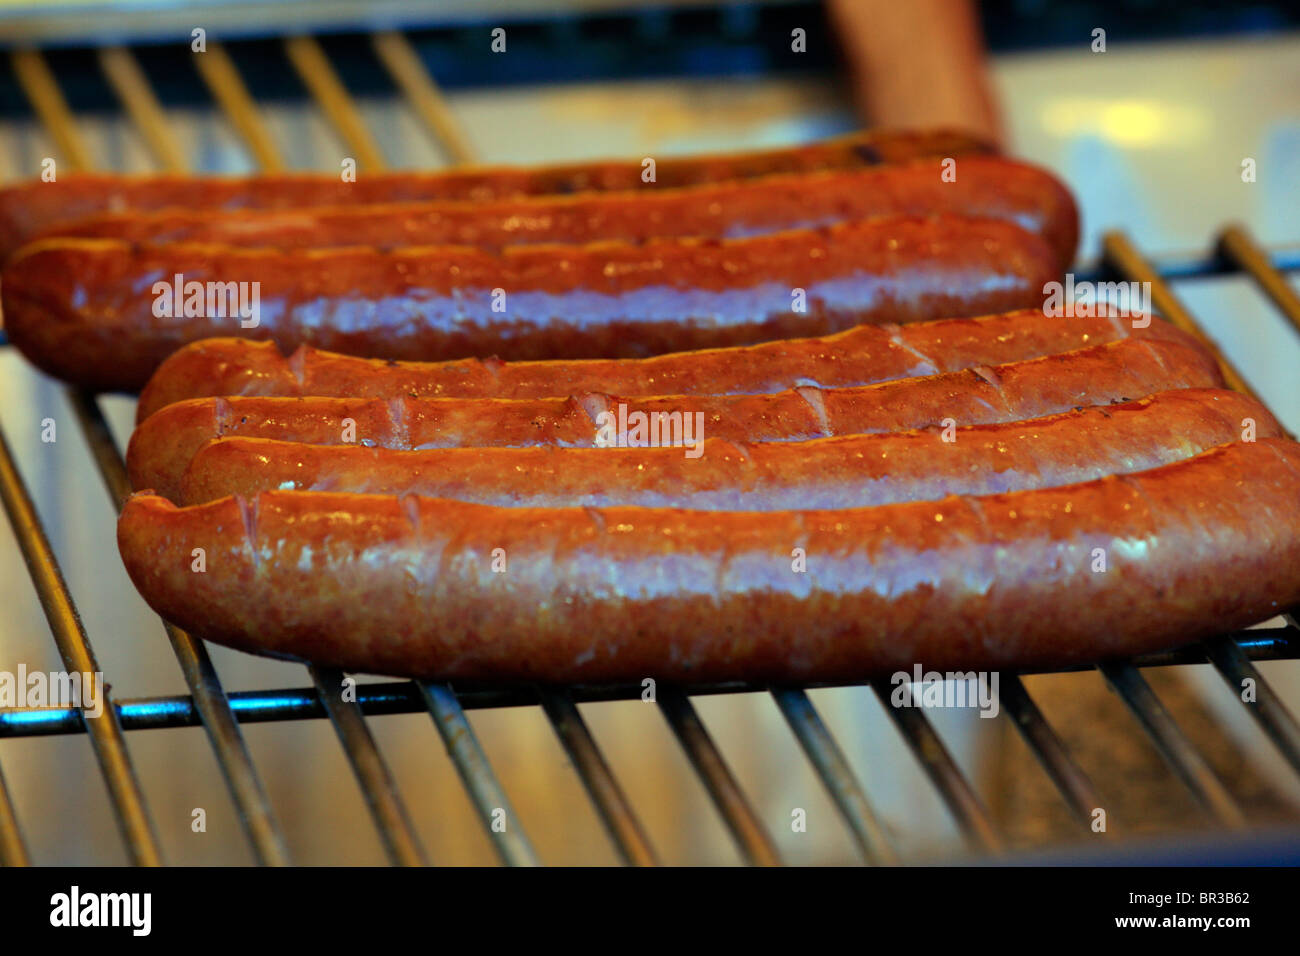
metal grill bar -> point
(408, 72)
(1236, 245)
(611, 803)
(132, 89)
(47, 100)
(377, 785)
(967, 809)
(390, 815)
(1196, 265)
(327, 89)
(105, 732)
(750, 836)
(476, 773)
(200, 675)
(401, 697)
(836, 775)
(1267, 708)
(227, 88)
(1068, 776)
(1173, 745)
(1120, 255)
(13, 852)
(103, 449)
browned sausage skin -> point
(858, 356)
(429, 588)
(163, 444)
(853, 471)
(986, 187)
(28, 207)
(101, 313)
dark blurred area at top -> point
(623, 42)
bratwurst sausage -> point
(31, 206)
(857, 356)
(429, 588)
(986, 187)
(853, 471)
(163, 444)
(103, 314)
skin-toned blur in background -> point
(917, 63)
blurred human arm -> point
(917, 63)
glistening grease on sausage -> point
(858, 356)
(987, 187)
(854, 471)
(103, 314)
(430, 588)
(29, 207)
(163, 444)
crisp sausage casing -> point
(853, 471)
(101, 313)
(34, 205)
(431, 588)
(857, 356)
(987, 187)
(163, 444)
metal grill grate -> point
(221, 713)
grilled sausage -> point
(425, 587)
(987, 187)
(29, 207)
(853, 471)
(858, 356)
(85, 310)
(163, 444)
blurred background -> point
(1151, 135)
